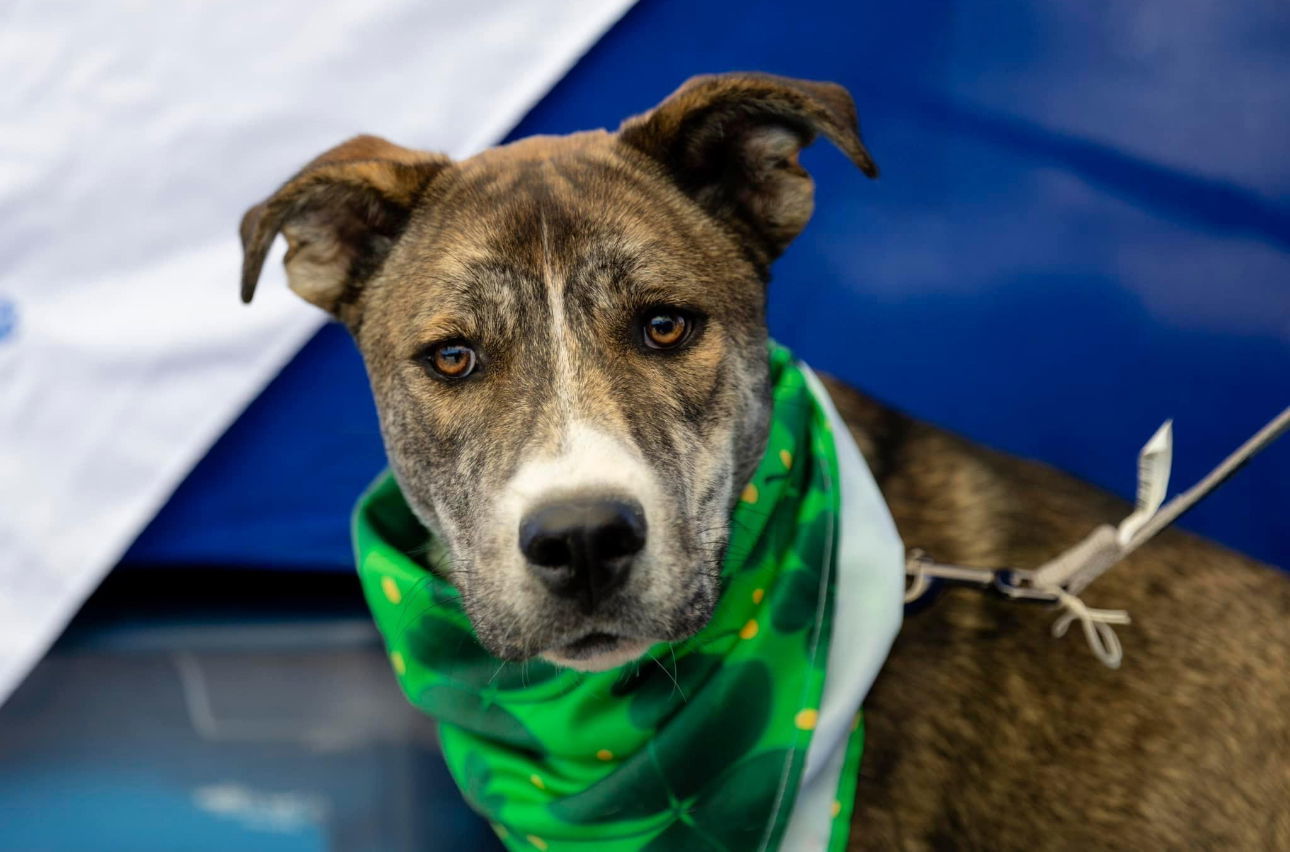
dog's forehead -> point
(551, 199)
(575, 214)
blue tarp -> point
(1082, 229)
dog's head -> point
(567, 345)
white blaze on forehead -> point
(587, 460)
(584, 459)
(561, 339)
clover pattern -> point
(698, 776)
(475, 780)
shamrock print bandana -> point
(746, 736)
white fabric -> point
(132, 138)
(868, 608)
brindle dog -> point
(566, 339)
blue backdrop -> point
(1082, 228)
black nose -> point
(583, 549)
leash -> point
(1060, 580)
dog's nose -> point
(583, 549)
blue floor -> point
(209, 728)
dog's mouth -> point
(604, 645)
(590, 645)
(597, 651)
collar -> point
(745, 736)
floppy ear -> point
(340, 215)
(730, 141)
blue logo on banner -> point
(8, 318)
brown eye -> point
(451, 360)
(666, 329)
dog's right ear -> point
(340, 214)
(730, 142)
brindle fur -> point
(982, 731)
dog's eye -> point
(666, 328)
(452, 360)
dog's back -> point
(986, 732)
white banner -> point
(132, 138)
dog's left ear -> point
(730, 141)
(340, 214)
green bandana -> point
(701, 744)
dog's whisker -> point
(676, 685)
(499, 671)
(676, 670)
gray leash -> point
(1060, 580)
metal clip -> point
(1018, 585)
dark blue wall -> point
(1082, 228)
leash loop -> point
(1101, 639)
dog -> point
(569, 333)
